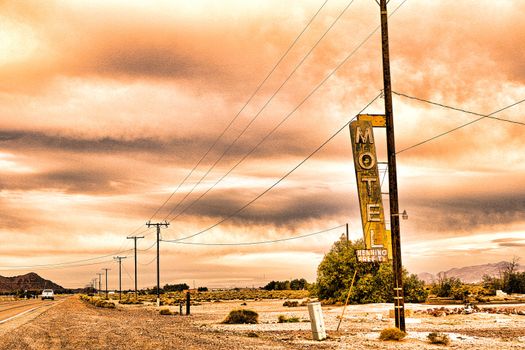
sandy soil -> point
(74, 324)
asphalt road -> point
(11, 309)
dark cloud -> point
(465, 213)
(511, 244)
(73, 179)
(186, 149)
(42, 140)
(297, 207)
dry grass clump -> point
(242, 316)
(284, 319)
(104, 304)
(97, 302)
(165, 311)
(438, 338)
(130, 301)
(290, 303)
(392, 334)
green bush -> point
(241, 316)
(438, 338)
(373, 282)
(284, 319)
(392, 334)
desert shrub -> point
(165, 312)
(392, 334)
(84, 297)
(109, 305)
(438, 338)
(290, 303)
(130, 301)
(241, 316)
(450, 287)
(284, 319)
(104, 304)
(373, 283)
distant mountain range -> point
(30, 282)
(469, 274)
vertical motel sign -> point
(377, 238)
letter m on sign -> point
(365, 136)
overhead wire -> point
(278, 181)
(258, 242)
(490, 116)
(148, 263)
(255, 117)
(483, 116)
(58, 265)
(46, 267)
(254, 93)
(292, 112)
(23, 267)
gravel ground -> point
(73, 324)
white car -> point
(48, 294)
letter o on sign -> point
(367, 160)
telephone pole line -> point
(119, 259)
(399, 303)
(158, 225)
(134, 238)
(106, 281)
(99, 281)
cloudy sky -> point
(116, 112)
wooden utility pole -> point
(106, 281)
(399, 303)
(134, 238)
(159, 225)
(99, 281)
(119, 259)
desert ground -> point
(71, 323)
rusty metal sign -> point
(368, 183)
(377, 120)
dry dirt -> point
(73, 324)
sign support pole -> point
(399, 304)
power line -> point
(57, 265)
(289, 114)
(149, 263)
(278, 181)
(254, 93)
(483, 116)
(256, 243)
(461, 109)
(64, 263)
(251, 122)
(44, 267)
